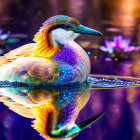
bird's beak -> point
(89, 122)
(85, 30)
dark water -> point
(121, 119)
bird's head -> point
(70, 131)
(58, 30)
(67, 28)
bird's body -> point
(55, 58)
(70, 64)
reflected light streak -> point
(126, 16)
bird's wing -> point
(20, 109)
(23, 51)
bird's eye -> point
(63, 133)
(67, 26)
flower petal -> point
(103, 48)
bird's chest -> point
(73, 61)
(67, 55)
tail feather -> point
(23, 51)
(3, 60)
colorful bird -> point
(54, 109)
(55, 58)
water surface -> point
(121, 106)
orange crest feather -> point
(44, 47)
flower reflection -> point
(53, 109)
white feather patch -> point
(61, 36)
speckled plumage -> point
(66, 55)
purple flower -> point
(118, 43)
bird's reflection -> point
(54, 109)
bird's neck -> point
(50, 42)
(45, 47)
